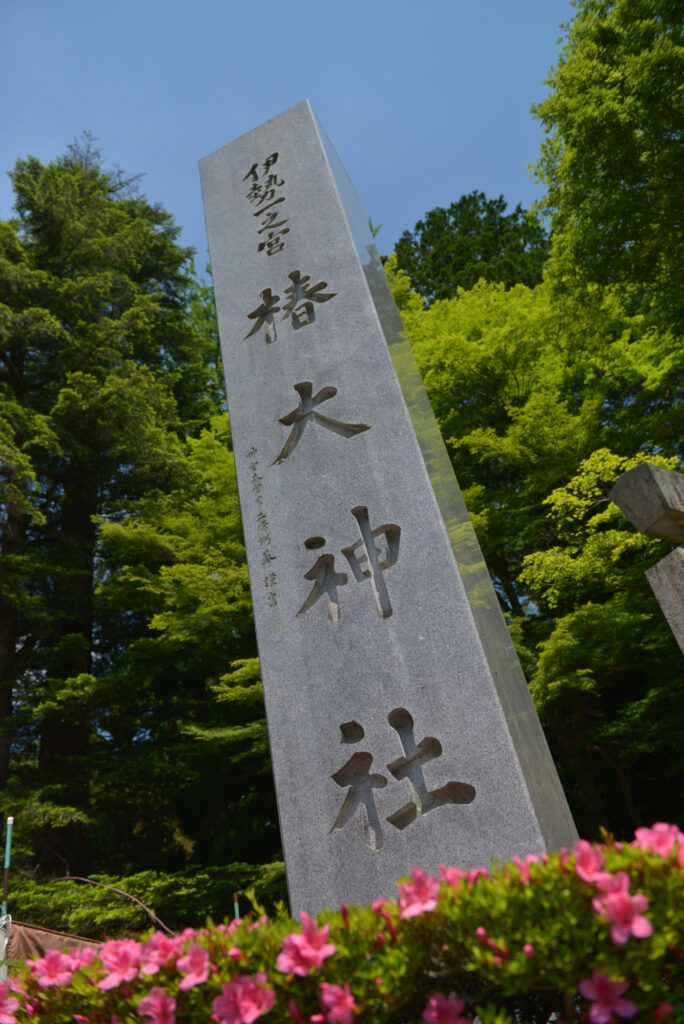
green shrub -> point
(588, 934)
(180, 899)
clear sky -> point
(424, 100)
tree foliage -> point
(132, 732)
(612, 158)
(543, 402)
(474, 238)
(128, 741)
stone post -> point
(402, 731)
(652, 498)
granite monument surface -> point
(402, 731)
(652, 498)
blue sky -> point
(424, 101)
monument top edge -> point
(305, 103)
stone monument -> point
(652, 498)
(402, 731)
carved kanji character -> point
(263, 315)
(271, 221)
(255, 192)
(325, 579)
(274, 243)
(299, 417)
(410, 767)
(269, 162)
(262, 211)
(357, 776)
(301, 297)
(376, 558)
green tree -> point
(101, 376)
(474, 238)
(185, 710)
(517, 383)
(614, 150)
(528, 388)
(607, 674)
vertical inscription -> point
(267, 555)
(264, 194)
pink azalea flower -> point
(523, 866)
(159, 1006)
(236, 954)
(663, 1011)
(661, 839)
(418, 896)
(195, 966)
(624, 912)
(452, 876)
(528, 950)
(619, 882)
(606, 997)
(242, 1000)
(303, 952)
(441, 1010)
(337, 1003)
(82, 957)
(8, 1004)
(588, 861)
(476, 874)
(54, 968)
(157, 951)
(121, 958)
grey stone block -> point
(667, 581)
(652, 498)
(402, 731)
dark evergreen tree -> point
(474, 238)
(102, 376)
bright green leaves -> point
(544, 397)
(614, 150)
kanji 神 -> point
(377, 559)
(355, 774)
(299, 417)
(301, 297)
(327, 579)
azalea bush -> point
(592, 933)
